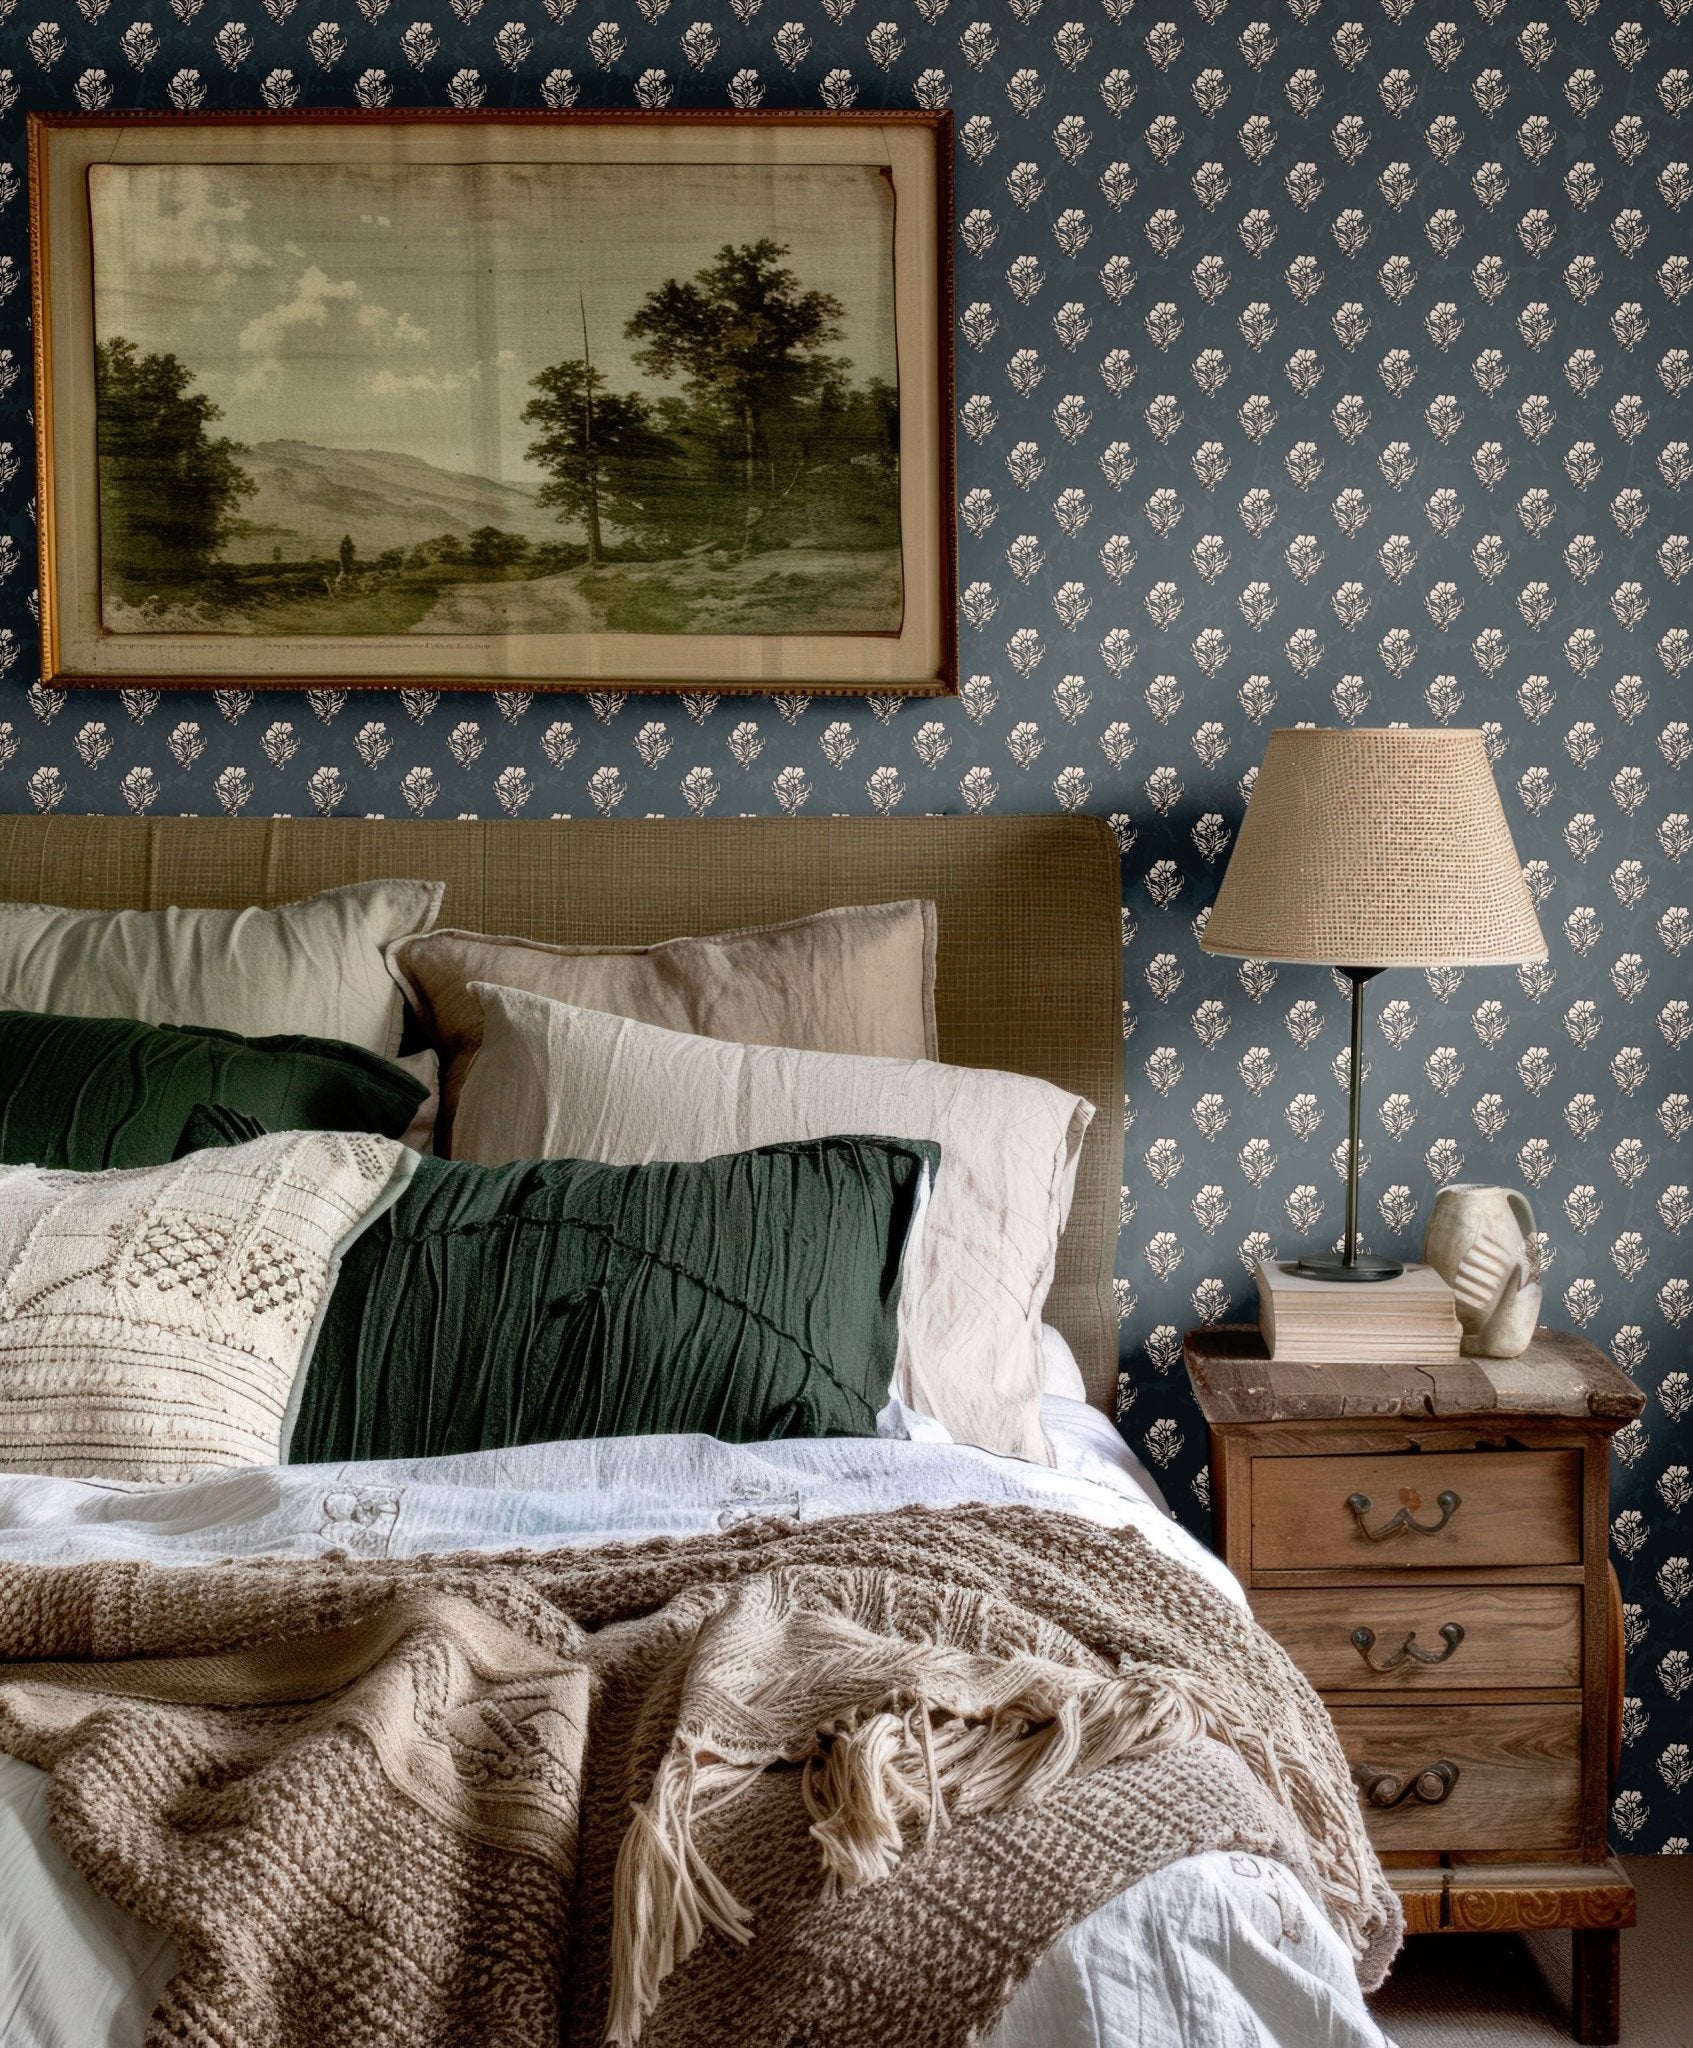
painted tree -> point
(601, 450)
(749, 343)
(169, 489)
(491, 547)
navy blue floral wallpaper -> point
(1316, 361)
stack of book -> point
(1410, 1320)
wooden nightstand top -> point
(1559, 1375)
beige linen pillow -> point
(554, 1081)
(314, 967)
(152, 1322)
(856, 979)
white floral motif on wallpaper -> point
(1314, 362)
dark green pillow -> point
(748, 1297)
(213, 1125)
(96, 1092)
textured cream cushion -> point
(857, 979)
(152, 1322)
(314, 967)
(554, 1081)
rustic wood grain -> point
(1521, 1638)
(1560, 1374)
(1335, 1437)
(1515, 1509)
(1493, 1898)
(1231, 1484)
(1614, 1676)
(1422, 1893)
(1596, 1985)
(1520, 1838)
(1457, 1575)
(1597, 1716)
(1519, 1774)
(1336, 1696)
(1509, 1896)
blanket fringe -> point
(909, 1670)
(664, 1893)
(989, 1737)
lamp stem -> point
(1355, 1091)
(1352, 1264)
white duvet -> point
(1219, 1951)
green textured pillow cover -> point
(90, 1093)
(749, 1297)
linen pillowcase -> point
(1063, 1374)
(750, 1298)
(93, 1092)
(314, 967)
(152, 1323)
(555, 1080)
(857, 979)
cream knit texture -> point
(841, 1784)
(153, 1321)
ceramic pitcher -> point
(1481, 1242)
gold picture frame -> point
(673, 391)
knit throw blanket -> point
(834, 1784)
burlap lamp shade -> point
(1370, 848)
(1375, 847)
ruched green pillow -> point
(94, 1092)
(748, 1297)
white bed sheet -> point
(1216, 1952)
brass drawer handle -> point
(1448, 1503)
(1387, 1789)
(1364, 1641)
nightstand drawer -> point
(1395, 1639)
(1415, 1510)
(1467, 1778)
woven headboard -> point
(1030, 961)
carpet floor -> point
(1512, 1991)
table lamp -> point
(1368, 848)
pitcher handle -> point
(1525, 1223)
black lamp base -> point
(1333, 1267)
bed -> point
(1220, 1948)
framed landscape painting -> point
(601, 401)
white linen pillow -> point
(314, 967)
(1090, 1446)
(153, 1321)
(1063, 1374)
(553, 1081)
(858, 978)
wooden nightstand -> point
(1428, 1544)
